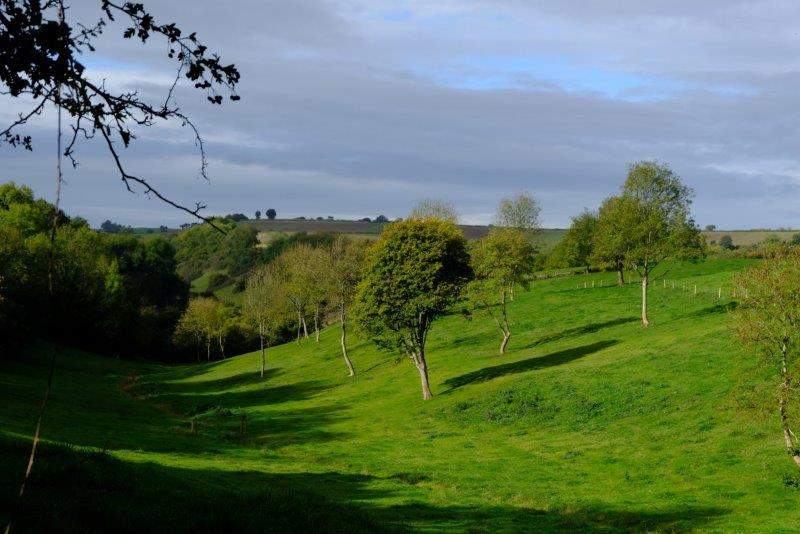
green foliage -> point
(769, 321)
(198, 246)
(612, 240)
(520, 211)
(503, 259)
(726, 242)
(577, 246)
(654, 216)
(122, 289)
(500, 261)
(431, 208)
(414, 273)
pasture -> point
(589, 422)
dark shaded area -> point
(582, 330)
(531, 364)
(711, 310)
(229, 382)
(78, 491)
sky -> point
(355, 108)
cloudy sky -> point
(354, 108)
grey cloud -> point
(336, 120)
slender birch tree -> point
(298, 282)
(345, 261)
(265, 306)
(500, 261)
(654, 213)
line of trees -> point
(648, 222)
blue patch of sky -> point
(396, 15)
(486, 73)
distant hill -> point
(547, 237)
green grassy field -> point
(589, 423)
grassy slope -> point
(589, 422)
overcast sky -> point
(356, 108)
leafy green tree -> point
(520, 211)
(654, 213)
(500, 261)
(611, 239)
(298, 279)
(271, 214)
(199, 246)
(190, 327)
(576, 247)
(345, 270)
(265, 306)
(414, 273)
(238, 252)
(769, 322)
(316, 273)
(726, 242)
(207, 318)
(258, 214)
(437, 209)
(112, 227)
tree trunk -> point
(316, 324)
(645, 283)
(788, 435)
(504, 344)
(351, 371)
(504, 324)
(221, 346)
(208, 349)
(263, 354)
(422, 367)
(299, 325)
(620, 274)
(305, 328)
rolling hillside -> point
(589, 422)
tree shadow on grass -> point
(221, 384)
(296, 426)
(189, 402)
(581, 330)
(78, 491)
(711, 310)
(531, 364)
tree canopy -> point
(414, 273)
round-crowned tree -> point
(413, 274)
